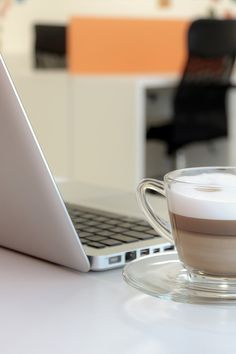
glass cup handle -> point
(161, 226)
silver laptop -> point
(35, 220)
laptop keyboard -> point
(102, 229)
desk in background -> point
(93, 128)
(91, 121)
(110, 126)
(90, 127)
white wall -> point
(17, 24)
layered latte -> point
(202, 210)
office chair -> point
(199, 104)
(50, 46)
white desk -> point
(110, 120)
(89, 126)
(109, 126)
(48, 309)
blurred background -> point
(95, 75)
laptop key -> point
(82, 227)
(85, 234)
(126, 225)
(93, 230)
(95, 244)
(111, 242)
(105, 233)
(113, 222)
(78, 218)
(118, 230)
(88, 216)
(102, 218)
(143, 236)
(103, 226)
(91, 223)
(124, 238)
(139, 235)
(95, 238)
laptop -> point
(35, 220)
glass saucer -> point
(163, 276)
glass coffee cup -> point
(202, 209)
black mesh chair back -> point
(211, 38)
(200, 100)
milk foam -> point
(207, 196)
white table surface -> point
(45, 308)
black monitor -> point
(50, 46)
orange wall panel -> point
(129, 46)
